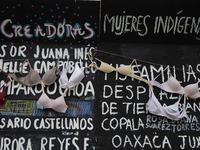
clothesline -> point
(59, 104)
(114, 54)
(139, 60)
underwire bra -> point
(173, 86)
(124, 70)
(171, 112)
(33, 77)
(58, 104)
(3, 97)
(75, 78)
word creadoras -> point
(51, 30)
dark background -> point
(153, 49)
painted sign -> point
(124, 120)
(150, 21)
(44, 32)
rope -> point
(148, 62)
(114, 54)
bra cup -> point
(31, 79)
(13, 75)
(172, 85)
(75, 78)
(34, 78)
(154, 106)
(63, 79)
(192, 90)
(45, 101)
(172, 114)
(106, 68)
(125, 70)
(63, 74)
(49, 77)
(59, 104)
(77, 75)
(172, 110)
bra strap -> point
(66, 65)
(43, 85)
(65, 92)
(161, 72)
(198, 81)
(79, 58)
(57, 66)
(134, 60)
(68, 57)
(184, 108)
(2, 72)
(93, 57)
(81, 64)
(24, 63)
(150, 89)
(90, 57)
(92, 63)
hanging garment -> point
(171, 112)
(33, 77)
(75, 78)
(173, 86)
(3, 97)
(124, 70)
(58, 104)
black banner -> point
(43, 32)
(51, 21)
(42, 58)
(124, 121)
(105, 110)
(33, 133)
(146, 21)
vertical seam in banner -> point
(99, 21)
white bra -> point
(75, 78)
(173, 86)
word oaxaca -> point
(62, 29)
